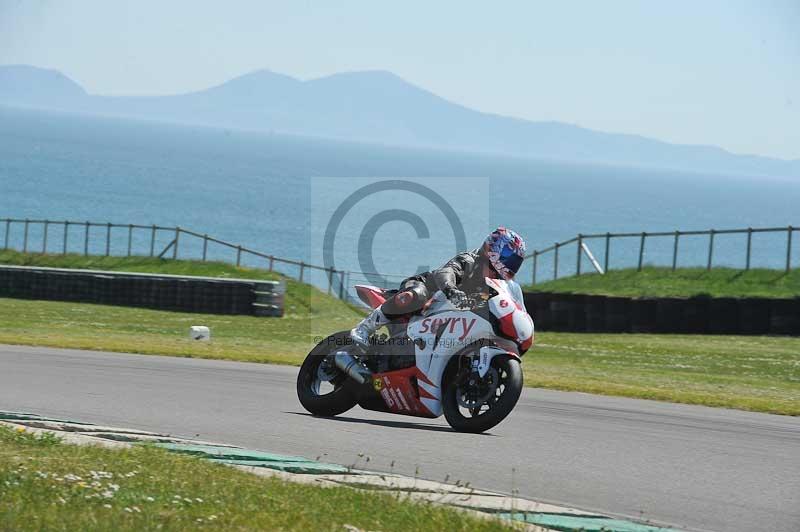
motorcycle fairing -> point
(371, 295)
(443, 331)
(405, 391)
(515, 323)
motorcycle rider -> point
(500, 256)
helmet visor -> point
(511, 260)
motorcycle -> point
(463, 362)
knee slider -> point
(406, 301)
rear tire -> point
(342, 398)
(509, 372)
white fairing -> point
(460, 329)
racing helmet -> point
(504, 250)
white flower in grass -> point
(187, 500)
(114, 487)
(128, 510)
(72, 478)
(149, 499)
(108, 494)
(136, 509)
(176, 497)
(62, 500)
(212, 517)
(198, 499)
(106, 506)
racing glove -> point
(457, 297)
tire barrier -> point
(206, 295)
(693, 315)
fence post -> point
(108, 239)
(44, 237)
(341, 284)
(641, 251)
(749, 240)
(580, 252)
(86, 240)
(272, 263)
(25, 238)
(710, 248)
(675, 251)
(66, 233)
(302, 268)
(608, 249)
(330, 280)
(238, 255)
(153, 240)
(175, 249)
(8, 230)
(205, 246)
(535, 260)
(130, 238)
(789, 248)
(555, 263)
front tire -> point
(318, 371)
(502, 397)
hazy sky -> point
(698, 72)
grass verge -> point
(47, 485)
(308, 313)
(683, 282)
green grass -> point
(47, 485)
(309, 313)
(744, 372)
(760, 374)
(683, 282)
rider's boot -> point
(362, 332)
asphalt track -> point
(691, 467)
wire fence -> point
(111, 239)
(778, 251)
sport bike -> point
(463, 362)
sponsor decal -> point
(461, 326)
(503, 303)
(402, 398)
(395, 400)
(389, 401)
(377, 384)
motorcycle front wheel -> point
(322, 388)
(477, 405)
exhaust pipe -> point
(352, 367)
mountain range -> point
(376, 107)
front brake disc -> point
(477, 391)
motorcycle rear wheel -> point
(342, 397)
(498, 405)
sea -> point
(359, 207)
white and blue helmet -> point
(504, 250)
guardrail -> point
(63, 236)
(207, 295)
(582, 248)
